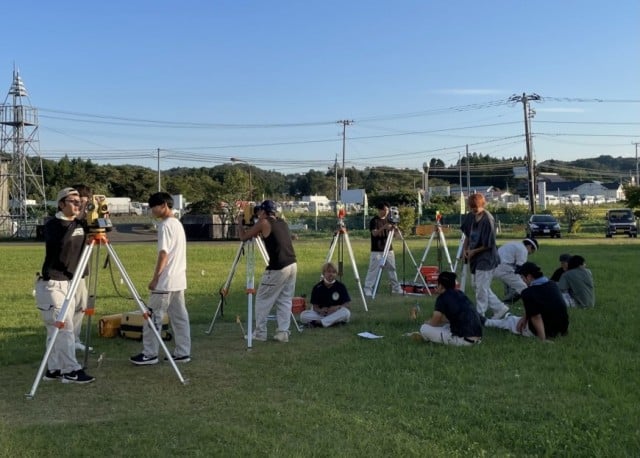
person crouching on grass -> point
(544, 308)
(329, 301)
(455, 320)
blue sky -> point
(268, 81)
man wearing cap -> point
(513, 255)
(455, 320)
(64, 237)
(545, 310)
(380, 227)
(564, 265)
(278, 282)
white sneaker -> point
(258, 337)
(503, 313)
(81, 347)
(281, 336)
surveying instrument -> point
(441, 246)
(98, 222)
(246, 248)
(340, 238)
(394, 219)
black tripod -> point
(97, 237)
(340, 236)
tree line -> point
(209, 186)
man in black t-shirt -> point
(545, 310)
(65, 238)
(380, 228)
(329, 300)
(455, 320)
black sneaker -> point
(179, 359)
(52, 375)
(78, 376)
(142, 360)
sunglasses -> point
(73, 202)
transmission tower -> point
(21, 180)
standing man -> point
(481, 253)
(513, 255)
(278, 282)
(380, 227)
(329, 300)
(167, 286)
(64, 237)
(455, 320)
(544, 308)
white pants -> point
(485, 297)
(276, 289)
(372, 274)
(442, 334)
(342, 315)
(507, 275)
(510, 324)
(49, 300)
(171, 303)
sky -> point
(276, 84)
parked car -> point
(543, 225)
(621, 221)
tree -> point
(632, 196)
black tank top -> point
(278, 245)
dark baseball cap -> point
(269, 206)
(528, 268)
(564, 257)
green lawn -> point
(328, 392)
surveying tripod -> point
(340, 237)
(97, 237)
(441, 245)
(465, 265)
(246, 248)
(385, 255)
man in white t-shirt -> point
(167, 286)
(513, 255)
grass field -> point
(328, 392)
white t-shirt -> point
(172, 240)
(513, 253)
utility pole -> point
(427, 195)
(468, 173)
(159, 186)
(528, 114)
(344, 123)
(637, 175)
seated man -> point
(329, 301)
(545, 311)
(455, 320)
(564, 265)
(576, 284)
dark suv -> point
(543, 225)
(621, 221)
